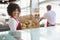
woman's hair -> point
(12, 7)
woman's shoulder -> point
(12, 20)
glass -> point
(44, 33)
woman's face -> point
(15, 13)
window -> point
(55, 7)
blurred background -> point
(27, 8)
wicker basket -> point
(28, 22)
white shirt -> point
(13, 24)
(51, 17)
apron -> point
(48, 24)
(18, 26)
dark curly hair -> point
(49, 7)
(12, 7)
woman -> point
(14, 11)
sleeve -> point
(12, 25)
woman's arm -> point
(13, 25)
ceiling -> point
(6, 1)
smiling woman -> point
(14, 10)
